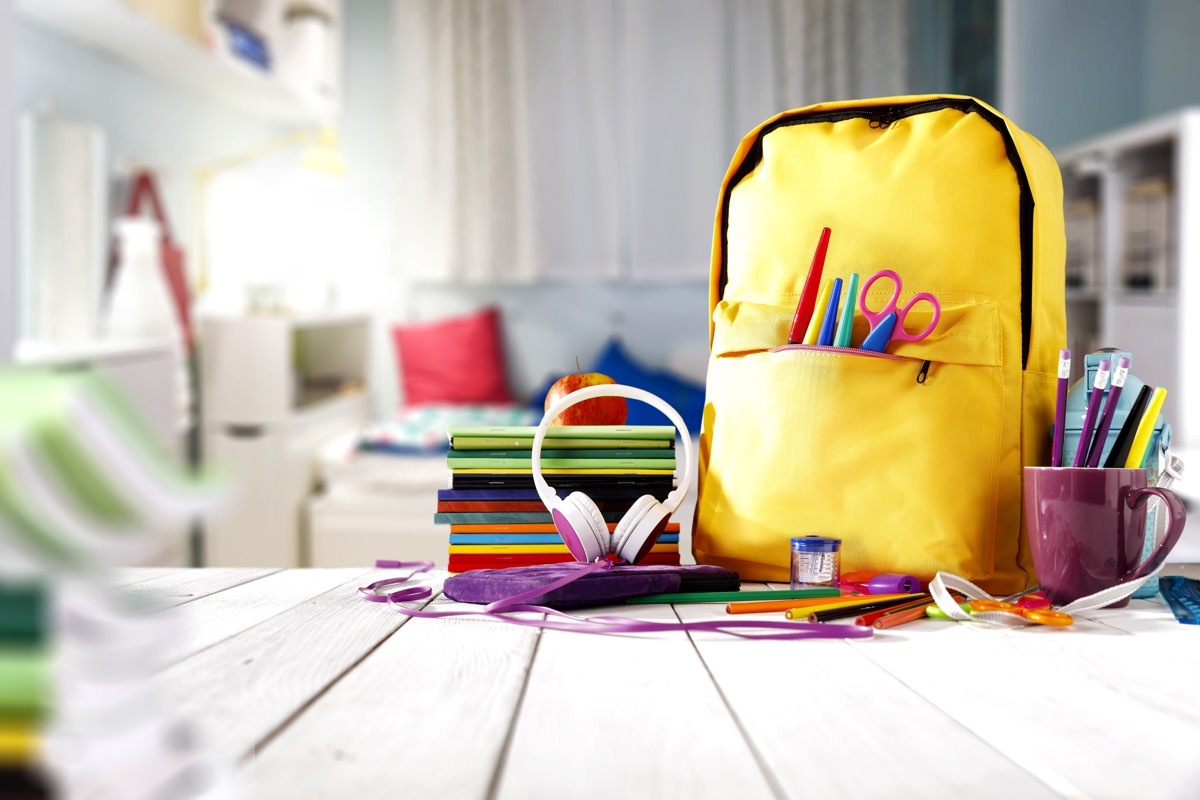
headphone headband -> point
(674, 498)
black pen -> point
(1120, 448)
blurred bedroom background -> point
(305, 234)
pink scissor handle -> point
(902, 315)
(875, 317)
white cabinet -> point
(1134, 264)
(273, 390)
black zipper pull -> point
(883, 119)
(923, 372)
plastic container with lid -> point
(816, 561)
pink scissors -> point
(888, 322)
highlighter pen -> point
(1060, 408)
(851, 612)
(1120, 373)
(1089, 417)
(804, 309)
(818, 318)
(1141, 440)
(760, 606)
(1120, 448)
(831, 314)
(846, 323)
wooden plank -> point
(211, 619)
(1070, 726)
(127, 576)
(241, 690)
(424, 715)
(626, 716)
(828, 722)
(185, 585)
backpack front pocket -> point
(895, 454)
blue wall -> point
(1084, 67)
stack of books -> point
(25, 687)
(495, 516)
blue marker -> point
(831, 315)
(846, 323)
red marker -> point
(808, 298)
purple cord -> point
(604, 624)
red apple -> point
(596, 411)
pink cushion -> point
(453, 360)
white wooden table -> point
(322, 695)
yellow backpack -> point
(913, 460)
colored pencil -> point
(864, 602)
(899, 617)
(848, 612)
(789, 595)
(787, 605)
(870, 617)
(1060, 407)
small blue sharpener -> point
(1077, 403)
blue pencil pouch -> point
(1156, 452)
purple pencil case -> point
(603, 587)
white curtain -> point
(583, 140)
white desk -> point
(323, 695)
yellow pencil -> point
(1141, 439)
(818, 318)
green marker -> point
(846, 323)
(733, 597)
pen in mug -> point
(1089, 417)
(1060, 408)
(1120, 373)
(1120, 448)
(1141, 439)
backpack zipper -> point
(881, 117)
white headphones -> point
(578, 520)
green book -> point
(468, 444)
(561, 463)
(23, 618)
(25, 681)
(573, 431)
(648, 452)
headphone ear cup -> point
(581, 526)
(639, 529)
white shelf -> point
(1152, 323)
(124, 32)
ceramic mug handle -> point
(1174, 529)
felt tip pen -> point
(820, 592)
(808, 296)
(846, 322)
(813, 334)
(1120, 373)
(1141, 439)
(1089, 416)
(831, 314)
(1120, 448)
(1060, 407)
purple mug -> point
(1087, 528)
